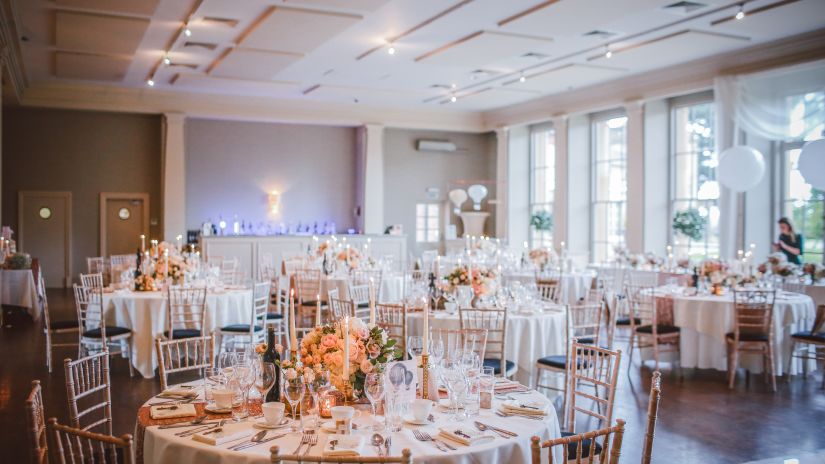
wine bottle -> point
(694, 278)
(271, 356)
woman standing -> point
(790, 243)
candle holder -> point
(348, 391)
(425, 375)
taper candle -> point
(293, 337)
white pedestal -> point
(474, 222)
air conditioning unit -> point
(436, 145)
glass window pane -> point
(609, 186)
(542, 182)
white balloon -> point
(811, 163)
(458, 197)
(477, 193)
(740, 168)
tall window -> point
(802, 204)
(542, 186)
(609, 207)
(426, 222)
(695, 200)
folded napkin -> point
(227, 433)
(530, 407)
(508, 386)
(166, 411)
(464, 435)
(179, 392)
(344, 445)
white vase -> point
(474, 222)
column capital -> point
(174, 118)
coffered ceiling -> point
(446, 55)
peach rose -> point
(373, 349)
(329, 340)
(366, 366)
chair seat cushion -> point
(177, 334)
(60, 325)
(111, 331)
(660, 329)
(586, 340)
(626, 321)
(495, 363)
(804, 337)
(558, 361)
(572, 448)
(274, 316)
(309, 303)
(365, 304)
(748, 337)
(239, 328)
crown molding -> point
(10, 54)
(674, 80)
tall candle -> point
(293, 337)
(426, 328)
(142, 243)
(178, 239)
(317, 310)
(346, 348)
(372, 302)
(347, 251)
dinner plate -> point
(408, 418)
(214, 409)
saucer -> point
(408, 418)
(214, 409)
(328, 426)
(261, 423)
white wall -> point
(656, 176)
(760, 218)
(578, 201)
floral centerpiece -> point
(690, 223)
(634, 260)
(785, 269)
(146, 283)
(540, 257)
(322, 349)
(715, 270)
(815, 270)
(18, 261)
(683, 263)
(652, 260)
(483, 280)
(354, 257)
(622, 253)
(322, 249)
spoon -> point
(332, 444)
(197, 421)
(377, 441)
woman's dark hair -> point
(787, 222)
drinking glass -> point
(472, 401)
(226, 361)
(294, 392)
(394, 409)
(244, 374)
(239, 411)
(264, 378)
(374, 389)
(452, 376)
(310, 407)
(415, 345)
(436, 350)
(211, 380)
(486, 387)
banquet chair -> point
(230, 275)
(461, 339)
(495, 322)
(393, 319)
(307, 289)
(549, 290)
(360, 297)
(120, 263)
(52, 329)
(88, 391)
(339, 309)
(277, 458)
(813, 344)
(585, 444)
(185, 312)
(99, 265)
(649, 328)
(92, 280)
(652, 416)
(70, 445)
(253, 332)
(36, 421)
(277, 308)
(752, 331)
(95, 334)
(582, 324)
(184, 355)
(364, 276)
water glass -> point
(239, 411)
(472, 401)
(486, 384)
(212, 379)
(294, 392)
(394, 410)
(374, 390)
(415, 345)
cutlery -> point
(418, 436)
(255, 439)
(377, 441)
(461, 434)
(170, 408)
(197, 421)
(524, 416)
(503, 433)
(528, 407)
(313, 440)
(250, 445)
(304, 441)
(215, 430)
(387, 444)
(332, 444)
(427, 437)
(190, 432)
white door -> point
(44, 223)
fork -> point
(418, 436)
(304, 441)
(524, 416)
(313, 440)
(424, 436)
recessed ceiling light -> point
(741, 13)
(150, 82)
(391, 50)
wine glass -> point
(244, 374)
(226, 362)
(415, 345)
(293, 390)
(453, 378)
(436, 349)
(374, 389)
(264, 378)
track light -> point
(391, 50)
(522, 78)
(741, 14)
(453, 99)
(186, 31)
(150, 82)
(166, 60)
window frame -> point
(782, 148)
(533, 130)
(594, 119)
(428, 218)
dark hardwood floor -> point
(700, 419)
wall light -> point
(274, 202)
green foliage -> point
(542, 220)
(690, 223)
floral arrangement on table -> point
(777, 258)
(690, 223)
(483, 280)
(354, 257)
(634, 260)
(785, 269)
(322, 349)
(715, 270)
(651, 259)
(815, 270)
(322, 249)
(146, 283)
(683, 263)
(621, 253)
(18, 261)
(540, 257)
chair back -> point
(89, 305)
(549, 290)
(120, 263)
(819, 322)
(339, 309)
(360, 297)
(333, 293)
(229, 272)
(364, 276)
(36, 421)
(641, 300)
(99, 265)
(88, 392)
(92, 280)
(70, 445)
(639, 278)
(307, 285)
(187, 308)
(494, 321)
(393, 319)
(260, 308)
(277, 458)
(652, 415)
(601, 436)
(183, 355)
(584, 321)
(462, 339)
(589, 366)
(753, 312)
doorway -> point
(124, 217)
(45, 225)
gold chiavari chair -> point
(462, 339)
(95, 334)
(393, 319)
(495, 322)
(549, 290)
(583, 323)
(88, 392)
(36, 421)
(652, 416)
(585, 444)
(70, 445)
(307, 292)
(752, 331)
(252, 333)
(364, 276)
(277, 458)
(184, 355)
(185, 312)
(92, 280)
(56, 328)
(99, 265)
(278, 305)
(120, 263)
(813, 344)
(648, 328)
(339, 309)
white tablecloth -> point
(574, 285)
(162, 446)
(529, 337)
(816, 292)
(392, 287)
(704, 320)
(641, 276)
(145, 314)
(17, 288)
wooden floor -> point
(700, 419)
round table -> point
(574, 285)
(705, 319)
(161, 446)
(530, 336)
(17, 288)
(145, 314)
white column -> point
(502, 200)
(560, 207)
(518, 182)
(657, 175)
(634, 235)
(174, 176)
(372, 144)
(578, 188)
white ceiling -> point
(337, 51)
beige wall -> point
(231, 166)
(408, 173)
(83, 152)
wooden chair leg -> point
(734, 364)
(789, 364)
(656, 352)
(130, 358)
(771, 366)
